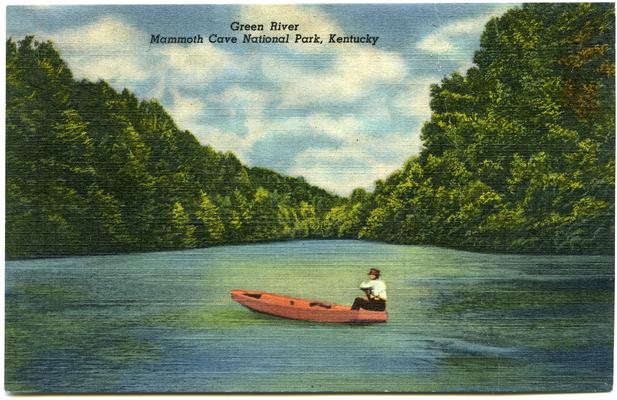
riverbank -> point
(474, 249)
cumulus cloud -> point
(341, 170)
(310, 20)
(336, 152)
(334, 75)
(105, 49)
(443, 39)
(415, 100)
(419, 105)
(199, 63)
(114, 50)
(108, 35)
(243, 111)
(249, 100)
(224, 140)
(187, 110)
(351, 75)
(344, 128)
(357, 158)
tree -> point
(182, 231)
(212, 228)
(265, 219)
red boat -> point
(302, 309)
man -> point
(375, 290)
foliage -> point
(519, 155)
(519, 152)
(91, 170)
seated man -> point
(375, 290)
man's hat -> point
(374, 271)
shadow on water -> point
(554, 331)
(59, 338)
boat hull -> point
(303, 309)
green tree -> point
(181, 234)
(212, 228)
(265, 220)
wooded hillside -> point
(519, 154)
(92, 170)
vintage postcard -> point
(310, 198)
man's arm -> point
(372, 296)
(378, 292)
(367, 288)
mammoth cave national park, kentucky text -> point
(273, 33)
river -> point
(164, 321)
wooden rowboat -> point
(303, 309)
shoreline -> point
(273, 241)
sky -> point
(339, 115)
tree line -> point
(519, 155)
(93, 170)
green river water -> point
(164, 322)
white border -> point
(4, 395)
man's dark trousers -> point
(373, 305)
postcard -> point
(310, 198)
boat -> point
(302, 309)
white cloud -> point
(222, 140)
(107, 35)
(341, 170)
(420, 104)
(415, 101)
(415, 143)
(123, 69)
(196, 63)
(310, 21)
(354, 157)
(115, 51)
(351, 76)
(347, 129)
(245, 106)
(359, 158)
(466, 66)
(247, 99)
(443, 39)
(186, 111)
(106, 49)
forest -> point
(519, 153)
(91, 170)
(518, 156)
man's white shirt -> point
(377, 286)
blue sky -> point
(341, 116)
